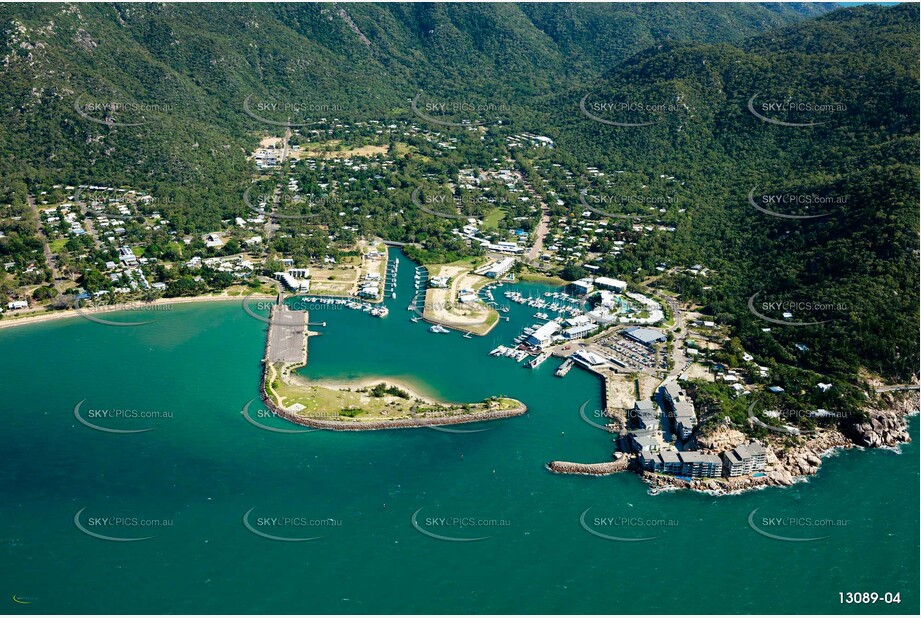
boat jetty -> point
(560, 303)
(347, 302)
(518, 355)
(563, 369)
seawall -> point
(592, 469)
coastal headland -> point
(790, 459)
(353, 406)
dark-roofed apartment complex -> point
(692, 464)
(744, 459)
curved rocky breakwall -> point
(397, 423)
(287, 366)
(593, 469)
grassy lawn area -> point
(402, 149)
(323, 402)
(335, 279)
(335, 148)
(243, 290)
(534, 277)
(492, 219)
(373, 403)
(441, 304)
(57, 245)
(470, 262)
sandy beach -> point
(367, 382)
(9, 322)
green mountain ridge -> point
(862, 257)
(688, 75)
(178, 58)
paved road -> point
(898, 387)
(680, 360)
(542, 228)
(270, 224)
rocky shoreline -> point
(786, 464)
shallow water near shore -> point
(190, 480)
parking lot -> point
(286, 336)
(631, 353)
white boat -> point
(563, 369)
(438, 328)
(539, 359)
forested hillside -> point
(847, 165)
(792, 130)
(185, 70)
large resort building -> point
(740, 461)
(500, 268)
(606, 283)
(744, 459)
(295, 279)
(646, 415)
(689, 464)
(656, 455)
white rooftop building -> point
(544, 334)
(608, 283)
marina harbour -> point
(202, 468)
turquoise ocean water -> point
(189, 482)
